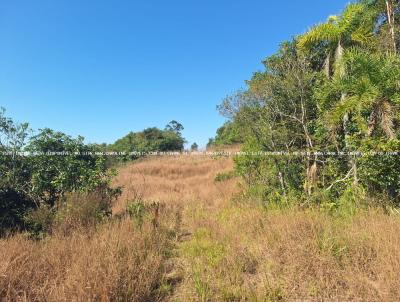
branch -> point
(341, 180)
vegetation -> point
(135, 144)
(308, 210)
(194, 147)
(39, 170)
(327, 105)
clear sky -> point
(103, 68)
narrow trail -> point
(187, 183)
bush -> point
(74, 170)
(137, 211)
(74, 211)
(13, 206)
(152, 139)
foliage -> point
(13, 206)
(37, 171)
(228, 134)
(135, 144)
(137, 210)
(223, 176)
(324, 114)
(194, 147)
(63, 164)
(14, 174)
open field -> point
(206, 247)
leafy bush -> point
(63, 164)
(380, 171)
(229, 134)
(57, 164)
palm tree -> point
(353, 27)
(371, 88)
(350, 28)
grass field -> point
(204, 243)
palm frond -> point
(325, 32)
(347, 105)
(363, 35)
(350, 17)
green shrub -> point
(137, 211)
(76, 169)
(136, 144)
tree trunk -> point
(327, 66)
(340, 69)
(311, 178)
(391, 19)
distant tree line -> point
(151, 139)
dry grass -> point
(245, 253)
(175, 180)
(114, 262)
(207, 248)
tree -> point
(352, 27)
(194, 147)
(371, 87)
(174, 126)
(150, 140)
(14, 174)
(62, 164)
(13, 137)
(386, 11)
(277, 114)
(335, 89)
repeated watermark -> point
(202, 153)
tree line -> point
(42, 181)
(335, 88)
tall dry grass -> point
(114, 262)
(241, 253)
(175, 180)
(206, 248)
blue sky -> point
(103, 68)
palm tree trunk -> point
(340, 69)
(327, 65)
(390, 16)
